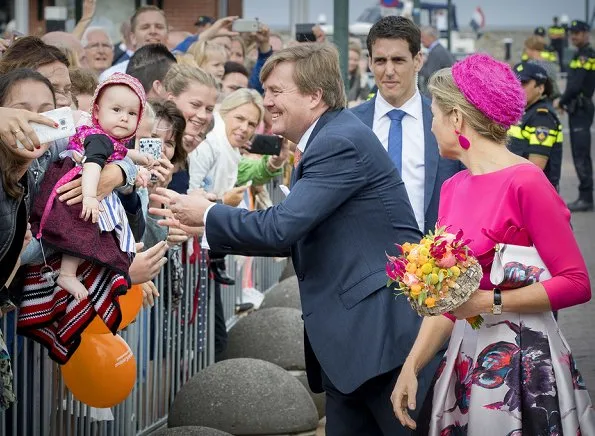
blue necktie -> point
(395, 138)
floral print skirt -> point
(514, 376)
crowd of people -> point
(474, 144)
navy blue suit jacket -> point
(437, 169)
(347, 207)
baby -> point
(116, 110)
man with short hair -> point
(235, 77)
(346, 208)
(437, 56)
(149, 65)
(99, 50)
(148, 26)
(402, 118)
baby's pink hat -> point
(492, 87)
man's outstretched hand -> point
(187, 210)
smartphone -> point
(266, 144)
(304, 33)
(65, 129)
(245, 26)
(151, 147)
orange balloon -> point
(130, 305)
(102, 371)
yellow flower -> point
(430, 302)
(422, 259)
(415, 290)
(435, 270)
(425, 241)
(455, 271)
(411, 268)
(434, 278)
(424, 251)
(444, 272)
(419, 273)
(411, 257)
(406, 247)
(426, 268)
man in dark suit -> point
(395, 59)
(437, 57)
(346, 208)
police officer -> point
(577, 101)
(557, 36)
(548, 53)
(538, 136)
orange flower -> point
(430, 302)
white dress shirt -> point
(306, 136)
(302, 147)
(413, 173)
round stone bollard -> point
(190, 431)
(288, 271)
(319, 399)
(283, 294)
(245, 397)
(275, 335)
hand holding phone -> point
(266, 144)
(63, 117)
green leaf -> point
(440, 276)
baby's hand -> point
(143, 178)
(90, 209)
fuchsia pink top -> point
(517, 205)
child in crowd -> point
(84, 83)
(117, 108)
(211, 57)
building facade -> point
(29, 15)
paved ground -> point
(578, 323)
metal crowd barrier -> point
(171, 343)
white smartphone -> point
(65, 129)
(243, 25)
(151, 147)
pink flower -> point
(447, 260)
(395, 268)
(410, 279)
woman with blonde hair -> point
(214, 165)
(194, 91)
(515, 375)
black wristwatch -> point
(497, 305)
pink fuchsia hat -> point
(492, 87)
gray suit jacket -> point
(439, 57)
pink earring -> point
(463, 141)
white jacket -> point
(213, 165)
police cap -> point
(578, 26)
(527, 71)
(539, 31)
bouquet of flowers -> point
(437, 275)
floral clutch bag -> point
(516, 266)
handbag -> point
(516, 266)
